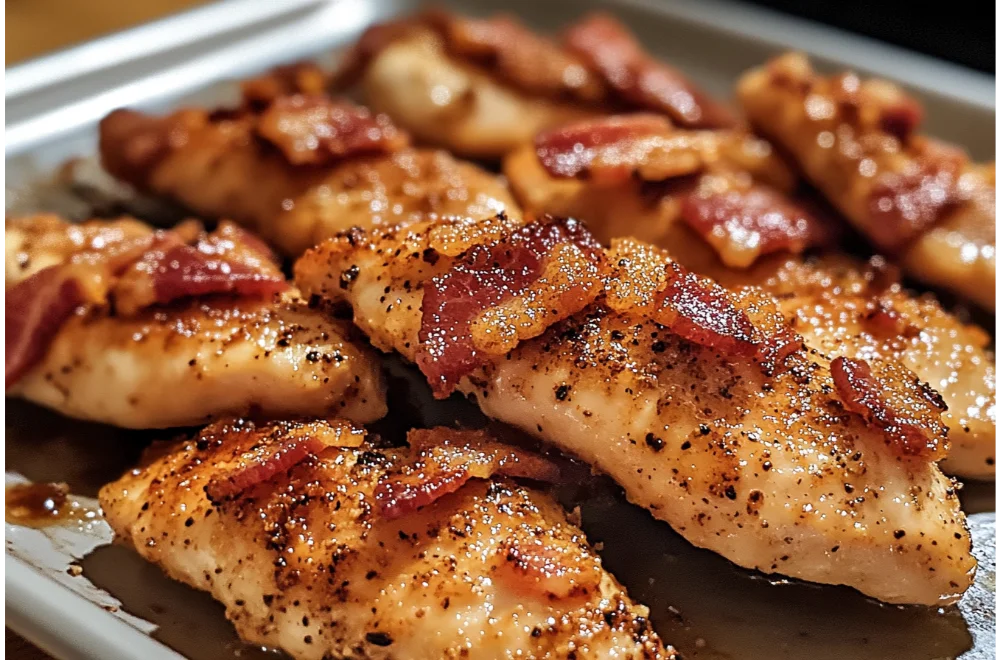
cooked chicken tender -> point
(219, 166)
(856, 141)
(770, 470)
(192, 363)
(114, 322)
(446, 102)
(312, 555)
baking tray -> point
(121, 607)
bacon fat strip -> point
(184, 363)
(771, 472)
(309, 558)
(856, 141)
(835, 300)
(219, 165)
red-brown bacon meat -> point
(755, 221)
(445, 460)
(317, 130)
(642, 81)
(726, 185)
(266, 455)
(501, 293)
(907, 410)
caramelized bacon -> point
(571, 151)
(261, 454)
(743, 224)
(617, 148)
(740, 324)
(503, 292)
(446, 460)
(297, 78)
(608, 48)
(316, 130)
(855, 141)
(905, 409)
(228, 261)
(36, 308)
(703, 312)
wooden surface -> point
(36, 27)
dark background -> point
(961, 31)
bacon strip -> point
(740, 324)
(316, 130)
(907, 410)
(550, 266)
(743, 224)
(228, 261)
(609, 49)
(446, 461)
(35, 310)
(573, 150)
(905, 203)
(261, 457)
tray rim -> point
(67, 625)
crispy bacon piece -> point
(449, 458)
(297, 78)
(882, 320)
(503, 292)
(606, 145)
(227, 261)
(614, 149)
(36, 308)
(317, 130)
(609, 49)
(907, 410)
(744, 323)
(258, 458)
(743, 224)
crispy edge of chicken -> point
(218, 168)
(307, 561)
(772, 473)
(832, 297)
